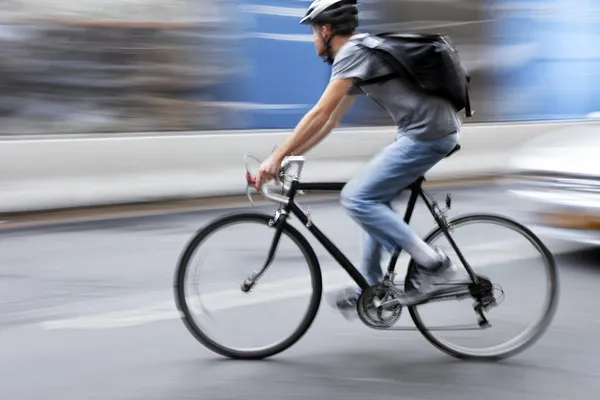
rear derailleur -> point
(485, 299)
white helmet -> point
(342, 15)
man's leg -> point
(366, 197)
(345, 300)
(371, 259)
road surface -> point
(87, 312)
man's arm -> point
(333, 122)
(313, 123)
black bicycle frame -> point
(291, 206)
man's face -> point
(320, 35)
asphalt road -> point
(87, 312)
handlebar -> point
(284, 176)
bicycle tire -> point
(548, 313)
(205, 339)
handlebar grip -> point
(250, 179)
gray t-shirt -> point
(416, 113)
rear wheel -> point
(517, 258)
(265, 294)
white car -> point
(556, 181)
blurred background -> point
(95, 208)
(156, 65)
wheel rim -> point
(290, 288)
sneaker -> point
(345, 302)
(424, 281)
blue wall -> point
(282, 77)
(558, 74)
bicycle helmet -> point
(342, 15)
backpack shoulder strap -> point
(380, 46)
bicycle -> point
(378, 306)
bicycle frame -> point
(290, 205)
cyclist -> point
(427, 130)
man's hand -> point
(268, 170)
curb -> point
(27, 219)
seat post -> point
(415, 189)
(416, 185)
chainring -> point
(374, 316)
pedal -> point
(481, 319)
(484, 323)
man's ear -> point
(326, 31)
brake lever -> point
(250, 181)
(249, 196)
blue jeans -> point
(367, 197)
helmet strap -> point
(328, 56)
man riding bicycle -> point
(427, 130)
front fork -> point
(279, 220)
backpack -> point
(428, 60)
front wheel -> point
(498, 249)
(242, 242)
